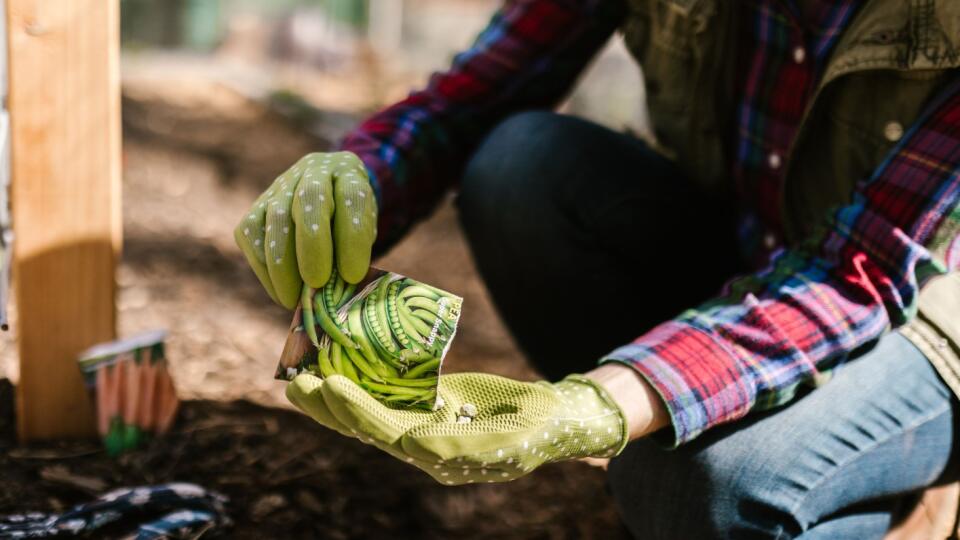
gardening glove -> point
(513, 427)
(321, 207)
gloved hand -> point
(515, 426)
(286, 236)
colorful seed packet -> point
(132, 390)
(389, 334)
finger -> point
(355, 219)
(280, 248)
(304, 392)
(360, 412)
(249, 234)
(312, 209)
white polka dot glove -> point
(321, 208)
(486, 428)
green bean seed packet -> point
(388, 333)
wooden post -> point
(65, 133)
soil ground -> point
(194, 158)
(288, 478)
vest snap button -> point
(893, 131)
(774, 160)
(799, 55)
(769, 241)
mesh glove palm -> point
(515, 426)
(319, 208)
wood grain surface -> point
(65, 193)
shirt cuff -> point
(700, 382)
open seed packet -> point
(132, 389)
(389, 334)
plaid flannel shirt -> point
(769, 332)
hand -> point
(286, 235)
(516, 426)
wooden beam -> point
(65, 132)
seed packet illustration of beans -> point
(388, 333)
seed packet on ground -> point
(132, 389)
(389, 334)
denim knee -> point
(778, 473)
(683, 493)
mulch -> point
(194, 159)
(287, 477)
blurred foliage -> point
(353, 12)
(191, 24)
(200, 24)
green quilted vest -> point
(894, 56)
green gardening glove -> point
(513, 427)
(321, 208)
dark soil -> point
(286, 477)
(194, 158)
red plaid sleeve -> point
(528, 57)
(787, 325)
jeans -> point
(586, 238)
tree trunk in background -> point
(202, 24)
(192, 24)
(351, 12)
(385, 25)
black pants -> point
(586, 238)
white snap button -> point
(893, 131)
(799, 55)
(769, 241)
(774, 160)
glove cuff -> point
(607, 450)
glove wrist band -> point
(610, 403)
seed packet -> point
(132, 389)
(388, 333)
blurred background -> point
(218, 97)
